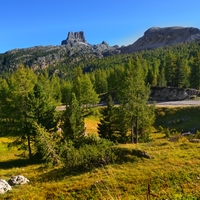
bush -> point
(94, 153)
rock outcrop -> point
(18, 180)
(15, 180)
(159, 37)
(4, 186)
(172, 94)
(74, 37)
(75, 48)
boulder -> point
(171, 94)
(18, 180)
(4, 186)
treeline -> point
(174, 66)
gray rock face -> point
(74, 37)
(18, 180)
(159, 37)
(4, 186)
(72, 50)
(75, 48)
(172, 94)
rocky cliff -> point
(74, 37)
(71, 50)
(172, 94)
(159, 37)
(75, 48)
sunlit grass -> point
(91, 124)
(173, 172)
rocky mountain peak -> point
(74, 37)
(158, 37)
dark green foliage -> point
(113, 124)
(185, 119)
(40, 104)
(133, 96)
(195, 72)
(24, 102)
(91, 152)
(66, 91)
(73, 123)
(107, 125)
(47, 145)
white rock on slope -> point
(18, 180)
(4, 186)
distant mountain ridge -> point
(158, 37)
(76, 48)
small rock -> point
(4, 186)
(195, 140)
(18, 180)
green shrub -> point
(90, 153)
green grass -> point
(182, 119)
(172, 173)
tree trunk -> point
(136, 124)
(132, 134)
(29, 147)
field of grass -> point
(173, 172)
(183, 119)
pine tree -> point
(133, 95)
(25, 102)
(195, 72)
(106, 127)
(73, 122)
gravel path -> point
(179, 103)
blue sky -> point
(27, 23)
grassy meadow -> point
(172, 172)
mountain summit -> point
(74, 37)
(75, 48)
(158, 37)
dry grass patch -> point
(91, 124)
(172, 173)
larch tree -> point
(133, 96)
(73, 123)
(25, 101)
(17, 116)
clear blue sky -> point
(27, 23)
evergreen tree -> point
(170, 69)
(66, 91)
(101, 83)
(195, 72)
(182, 73)
(161, 77)
(107, 126)
(73, 122)
(133, 96)
(27, 103)
(88, 96)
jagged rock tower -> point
(74, 37)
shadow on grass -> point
(59, 174)
(18, 163)
(124, 155)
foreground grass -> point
(172, 173)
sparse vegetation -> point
(172, 172)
